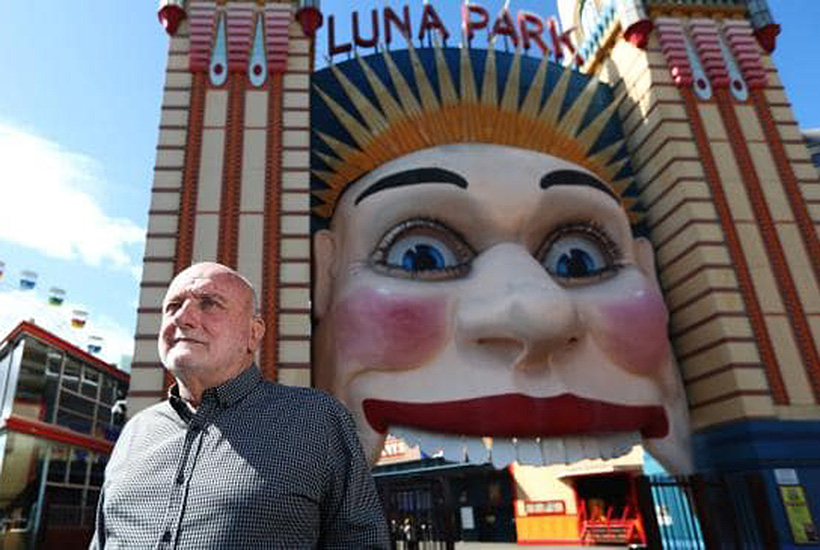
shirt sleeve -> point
(352, 515)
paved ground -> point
(511, 545)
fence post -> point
(646, 505)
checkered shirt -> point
(259, 465)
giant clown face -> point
(491, 302)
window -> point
(91, 382)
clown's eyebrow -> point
(413, 177)
(574, 177)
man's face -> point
(471, 291)
(208, 328)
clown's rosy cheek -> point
(633, 330)
(381, 330)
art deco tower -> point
(733, 204)
(231, 175)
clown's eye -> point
(422, 249)
(580, 254)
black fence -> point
(706, 512)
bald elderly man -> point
(230, 460)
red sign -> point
(526, 29)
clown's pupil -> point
(422, 257)
(576, 263)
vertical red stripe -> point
(273, 206)
(228, 244)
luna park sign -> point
(524, 30)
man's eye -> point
(580, 254)
(423, 249)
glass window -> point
(58, 464)
(109, 390)
(20, 479)
(72, 421)
(76, 404)
(28, 398)
(5, 362)
(91, 382)
(71, 374)
(54, 364)
(97, 474)
(79, 467)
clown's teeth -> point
(454, 448)
(553, 451)
(503, 452)
(411, 436)
(477, 452)
(528, 451)
(575, 450)
(590, 447)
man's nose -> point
(516, 310)
(186, 315)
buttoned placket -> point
(194, 435)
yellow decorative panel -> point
(719, 356)
(216, 108)
(732, 181)
(210, 170)
(765, 285)
(249, 256)
(704, 280)
(715, 302)
(736, 408)
(788, 357)
(294, 351)
(800, 267)
(749, 124)
(294, 298)
(293, 377)
(726, 382)
(252, 195)
(712, 122)
(716, 329)
(206, 236)
(256, 109)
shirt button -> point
(166, 536)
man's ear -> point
(645, 258)
(257, 332)
(324, 270)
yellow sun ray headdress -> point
(370, 110)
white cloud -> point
(27, 305)
(49, 204)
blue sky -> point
(79, 109)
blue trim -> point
(758, 444)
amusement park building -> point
(61, 413)
(722, 185)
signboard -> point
(801, 522)
(524, 29)
(786, 476)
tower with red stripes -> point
(733, 205)
(231, 175)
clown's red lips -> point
(517, 415)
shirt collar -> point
(227, 394)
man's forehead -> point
(222, 283)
